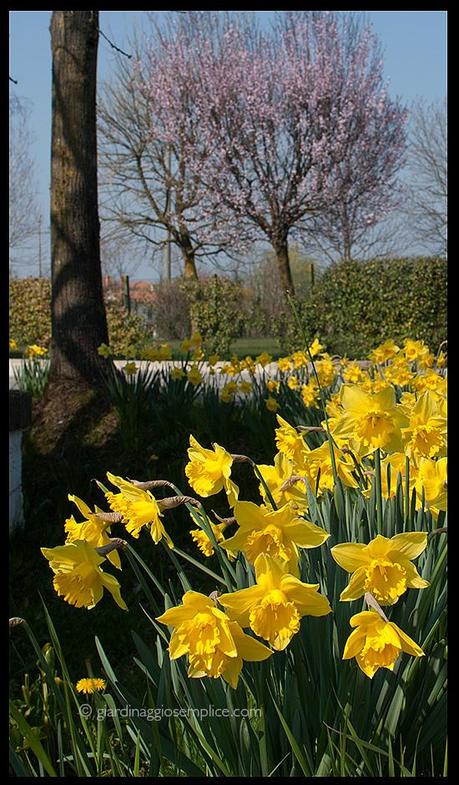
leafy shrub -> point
(128, 333)
(30, 311)
(216, 311)
(30, 318)
(357, 305)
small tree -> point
(149, 188)
(282, 125)
(426, 206)
(23, 208)
(79, 323)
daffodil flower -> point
(376, 643)
(425, 434)
(139, 508)
(209, 471)
(78, 577)
(273, 532)
(383, 567)
(203, 540)
(274, 606)
(431, 481)
(375, 420)
(215, 645)
(275, 478)
(290, 442)
(92, 529)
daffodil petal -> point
(355, 587)
(410, 544)
(350, 555)
(408, 645)
(354, 644)
(239, 603)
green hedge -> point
(357, 305)
(30, 318)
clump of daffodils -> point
(383, 425)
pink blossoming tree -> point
(279, 128)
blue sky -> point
(414, 46)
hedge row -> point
(353, 307)
(30, 318)
(357, 305)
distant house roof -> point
(139, 291)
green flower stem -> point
(379, 515)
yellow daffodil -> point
(274, 606)
(139, 508)
(315, 348)
(271, 404)
(399, 373)
(319, 461)
(209, 471)
(13, 345)
(263, 359)
(408, 399)
(375, 385)
(177, 373)
(310, 394)
(290, 442)
(89, 686)
(249, 364)
(293, 382)
(215, 645)
(376, 643)
(413, 350)
(299, 359)
(326, 370)
(275, 476)
(273, 532)
(213, 359)
(92, 529)
(228, 392)
(35, 351)
(104, 350)
(441, 360)
(245, 387)
(195, 376)
(430, 380)
(432, 480)
(353, 374)
(425, 434)
(273, 385)
(78, 577)
(130, 369)
(204, 542)
(383, 567)
(284, 364)
(374, 420)
(385, 351)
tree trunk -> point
(188, 255)
(79, 322)
(283, 266)
(189, 264)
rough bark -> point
(188, 256)
(283, 266)
(79, 322)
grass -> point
(241, 348)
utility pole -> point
(167, 248)
(39, 248)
